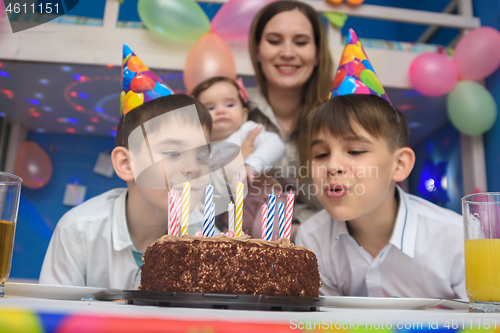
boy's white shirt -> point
(269, 148)
(91, 245)
(424, 258)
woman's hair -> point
(317, 88)
(374, 114)
(204, 85)
(157, 107)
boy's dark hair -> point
(377, 116)
(156, 107)
(204, 85)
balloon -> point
(209, 56)
(141, 83)
(471, 108)
(233, 20)
(131, 101)
(33, 165)
(174, 19)
(355, 2)
(477, 54)
(136, 65)
(370, 79)
(433, 74)
(128, 75)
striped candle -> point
(281, 218)
(186, 192)
(177, 216)
(270, 217)
(212, 221)
(239, 210)
(171, 211)
(264, 219)
(289, 215)
(209, 193)
(230, 213)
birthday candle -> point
(270, 217)
(239, 209)
(209, 193)
(212, 221)
(230, 213)
(177, 216)
(186, 191)
(171, 211)
(289, 215)
(281, 218)
(264, 219)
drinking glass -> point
(481, 214)
(10, 192)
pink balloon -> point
(233, 20)
(209, 56)
(33, 165)
(477, 54)
(433, 74)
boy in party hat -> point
(161, 141)
(372, 238)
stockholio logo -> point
(28, 14)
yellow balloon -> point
(131, 101)
(355, 2)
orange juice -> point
(482, 269)
(6, 245)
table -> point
(25, 314)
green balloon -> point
(174, 19)
(471, 108)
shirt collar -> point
(121, 236)
(404, 233)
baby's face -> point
(228, 114)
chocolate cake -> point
(230, 265)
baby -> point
(226, 100)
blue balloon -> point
(367, 65)
(348, 86)
(162, 89)
(126, 51)
(128, 75)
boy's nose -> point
(335, 166)
(190, 167)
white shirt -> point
(269, 148)
(424, 257)
(91, 245)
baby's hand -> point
(250, 173)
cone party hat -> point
(139, 84)
(356, 74)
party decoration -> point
(471, 108)
(477, 54)
(238, 226)
(337, 19)
(209, 56)
(230, 213)
(33, 165)
(264, 220)
(433, 74)
(289, 214)
(139, 84)
(104, 166)
(207, 226)
(431, 182)
(233, 19)
(174, 19)
(355, 2)
(186, 200)
(281, 219)
(271, 209)
(74, 195)
(355, 74)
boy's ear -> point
(245, 114)
(405, 160)
(121, 163)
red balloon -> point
(141, 83)
(339, 77)
(209, 56)
(33, 165)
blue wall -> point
(443, 147)
(489, 12)
(73, 159)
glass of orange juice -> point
(10, 192)
(481, 213)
